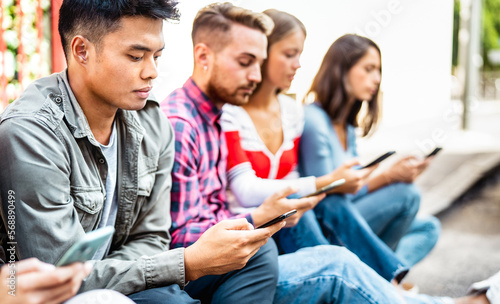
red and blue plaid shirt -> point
(199, 174)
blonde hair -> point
(213, 23)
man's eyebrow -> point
(139, 47)
(249, 54)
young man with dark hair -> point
(89, 148)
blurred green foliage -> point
(490, 32)
(456, 27)
(36, 63)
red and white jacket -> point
(254, 173)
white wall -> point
(415, 38)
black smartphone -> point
(84, 249)
(278, 219)
(379, 159)
(434, 152)
(326, 188)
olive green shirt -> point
(52, 163)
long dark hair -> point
(329, 84)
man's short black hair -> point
(93, 19)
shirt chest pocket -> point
(148, 166)
(88, 202)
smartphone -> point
(84, 249)
(326, 188)
(434, 152)
(379, 159)
(278, 219)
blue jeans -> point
(390, 212)
(307, 233)
(343, 225)
(166, 294)
(333, 274)
(255, 283)
(420, 239)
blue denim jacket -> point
(53, 174)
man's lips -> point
(143, 93)
(249, 89)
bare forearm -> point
(379, 181)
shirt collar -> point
(205, 106)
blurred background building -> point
(424, 57)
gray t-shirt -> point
(110, 207)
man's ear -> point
(202, 56)
(80, 49)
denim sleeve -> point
(315, 156)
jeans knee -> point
(432, 226)
(333, 206)
(339, 255)
(409, 194)
(266, 259)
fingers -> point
(409, 157)
(293, 220)
(87, 268)
(306, 203)
(316, 199)
(259, 237)
(59, 276)
(283, 193)
(32, 264)
(58, 294)
(351, 162)
(273, 228)
(236, 224)
(368, 171)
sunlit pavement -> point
(469, 247)
(457, 189)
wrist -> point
(389, 177)
(192, 270)
(259, 215)
(324, 180)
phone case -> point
(84, 249)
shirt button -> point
(58, 99)
(101, 160)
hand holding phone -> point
(84, 249)
(278, 219)
(434, 152)
(326, 188)
(379, 159)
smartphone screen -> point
(327, 188)
(278, 219)
(379, 159)
(84, 249)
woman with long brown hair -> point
(349, 77)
